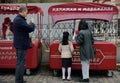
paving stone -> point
(44, 75)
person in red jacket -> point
(7, 23)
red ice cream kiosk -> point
(105, 58)
(7, 50)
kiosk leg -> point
(28, 71)
(55, 72)
(110, 73)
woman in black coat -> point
(85, 41)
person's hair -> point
(22, 8)
(82, 25)
(65, 38)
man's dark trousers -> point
(20, 65)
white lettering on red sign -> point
(97, 60)
(7, 53)
(83, 9)
(6, 48)
(77, 59)
(9, 8)
(7, 57)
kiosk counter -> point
(105, 58)
(8, 55)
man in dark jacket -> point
(21, 32)
(85, 40)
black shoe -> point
(63, 79)
(24, 81)
(84, 80)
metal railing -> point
(102, 31)
(105, 31)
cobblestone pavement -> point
(45, 75)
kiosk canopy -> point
(82, 10)
(13, 9)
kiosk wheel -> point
(55, 72)
(110, 73)
(28, 72)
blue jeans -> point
(20, 65)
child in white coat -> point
(66, 49)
